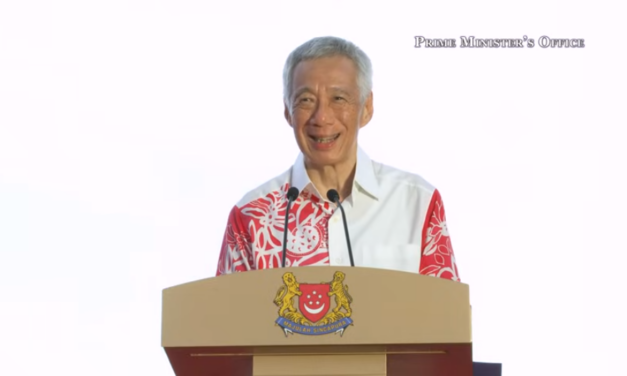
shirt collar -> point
(365, 178)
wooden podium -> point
(320, 320)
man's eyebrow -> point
(341, 91)
(301, 91)
(334, 89)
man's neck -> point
(338, 177)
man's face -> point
(326, 113)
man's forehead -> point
(336, 73)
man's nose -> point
(323, 115)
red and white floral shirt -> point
(395, 219)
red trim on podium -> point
(403, 360)
(191, 361)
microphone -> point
(292, 194)
(335, 197)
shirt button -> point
(338, 260)
(336, 219)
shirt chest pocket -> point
(404, 258)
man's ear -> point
(286, 113)
(368, 111)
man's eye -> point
(339, 98)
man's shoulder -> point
(274, 186)
(389, 175)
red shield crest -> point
(314, 302)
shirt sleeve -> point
(438, 259)
(236, 254)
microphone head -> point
(292, 193)
(333, 195)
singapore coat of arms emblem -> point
(312, 314)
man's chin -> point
(319, 159)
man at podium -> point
(393, 219)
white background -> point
(128, 130)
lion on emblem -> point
(284, 299)
(342, 300)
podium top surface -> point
(318, 305)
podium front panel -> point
(352, 306)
